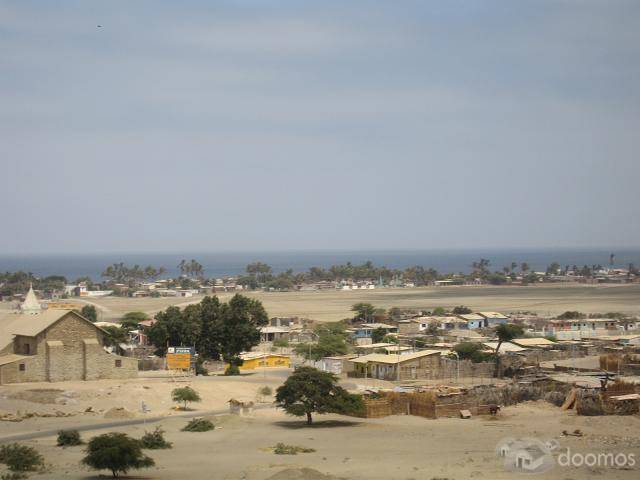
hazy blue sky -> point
(203, 125)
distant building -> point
(492, 319)
(412, 366)
(473, 320)
(581, 328)
(253, 360)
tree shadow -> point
(296, 424)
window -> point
(22, 367)
(118, 363)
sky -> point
(150, 126)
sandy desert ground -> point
(397, 447)
(335, 305)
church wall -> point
(71, 349)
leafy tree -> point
(439, 311)
(261, 272)
(115, 336)
(524, 267)
(472, 351)
(116, 452)
(461, 310)
(185, 395)
(241, 319)
(216, 329)
(378, 335)
(90, 313)
(571, 315)
(130, 320)
(309, 390)
(332, 340)
(131, 276)
(364, 311)
(505, 333)
(496, 278)
(20, 458)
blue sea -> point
(221, 264)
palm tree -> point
(505, 333)
(182, 266)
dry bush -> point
(555, 398)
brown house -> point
(417, 365)
(56, 345)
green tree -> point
(90, 313)
(364, 311)
(505, 333)
(309, 390)
(472, 351)
(332, 340)
(377, 335)
(115, 336)
(571, 315)
(461, 310)
(185, 395)
(439, 311)
(20, 458)
(116, 452)
(260, 271)
(130, 320)
(241, 319)
(216, 329)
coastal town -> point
(320, 240)
(438, 364)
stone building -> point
(55, 345)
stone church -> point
(39, 345)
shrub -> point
(265, 391)
(69, 438)
(155, 440)
(20, 458)
(555, 398)
(116, 452)
(199, 425)
(232, 369)
(200, 368)
(283, 449)
(185, 395)
(13, 476)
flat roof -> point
(533, 342)
(394, 359)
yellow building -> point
(254, 360)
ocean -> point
(221, 264)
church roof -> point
(31, 303)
